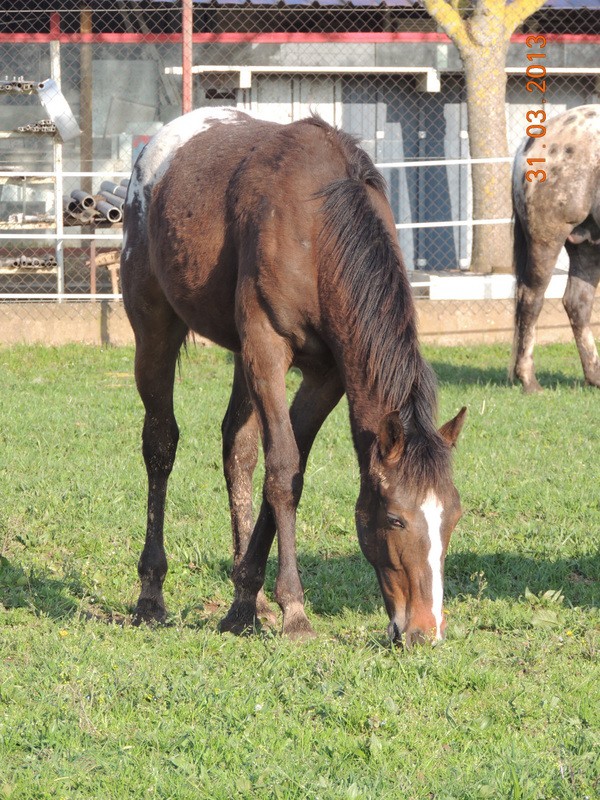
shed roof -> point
(560, 4)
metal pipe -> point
(86, 158)
(111, 213)
(84, 199)
(113, 188)
(70, 205)
(108, 186)
(113, 199)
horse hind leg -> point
(158, 341)
(578, 300)
(529, 300)
(240, 454)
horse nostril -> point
(393, 632)
(415, 636)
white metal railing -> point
(59, 236)
(75, 296)
(441, 162)
(428, 78)
(404, 226)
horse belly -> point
(202, 292)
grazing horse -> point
(562, 210)
(277, 242)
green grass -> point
(93, 708)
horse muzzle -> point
(409, 635)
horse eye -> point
(396, 522)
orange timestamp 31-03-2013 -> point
(536, 74)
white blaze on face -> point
(432, 510)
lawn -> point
(95, 709)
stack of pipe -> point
(18, 86)
(31, 262)
(113, 196)
(82, 208)
(43, 126)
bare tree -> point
(481, 31)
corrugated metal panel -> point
(566, 4)
(320, 3)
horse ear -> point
(391, 439)
(453, 427)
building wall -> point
(443, 322)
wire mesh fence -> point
(84, 85)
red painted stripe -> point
(267, 38)
(560, 38)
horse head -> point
(404, 523)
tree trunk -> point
(485, 78)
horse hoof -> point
(240, 619)
(298, 628)
(149, 611)
(264, 612)
(532, 388)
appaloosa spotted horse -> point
(277, 242)
(561, 210)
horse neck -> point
(366, 409)
(368, 312)
(368, 405)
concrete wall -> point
(97, 323)
(445, 322)
(462, 322)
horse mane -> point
(379, 307)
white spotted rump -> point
(158, 153)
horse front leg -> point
(318, 394)
(529, 300)
(316, 398)
(578, 300)
(155, 360)
(240, 454)
(267, 357)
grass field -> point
(92, 708)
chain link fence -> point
(84, 85)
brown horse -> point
(277, 242)
(557, 206)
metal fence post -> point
(58, 179)
(187, 28)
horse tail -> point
(520, 267)
(520, 249)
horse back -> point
(237, 202)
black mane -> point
(380, 310)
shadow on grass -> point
(37, 591)
(507, 575)
(349, 582)
(464, 375)
(338, 583)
